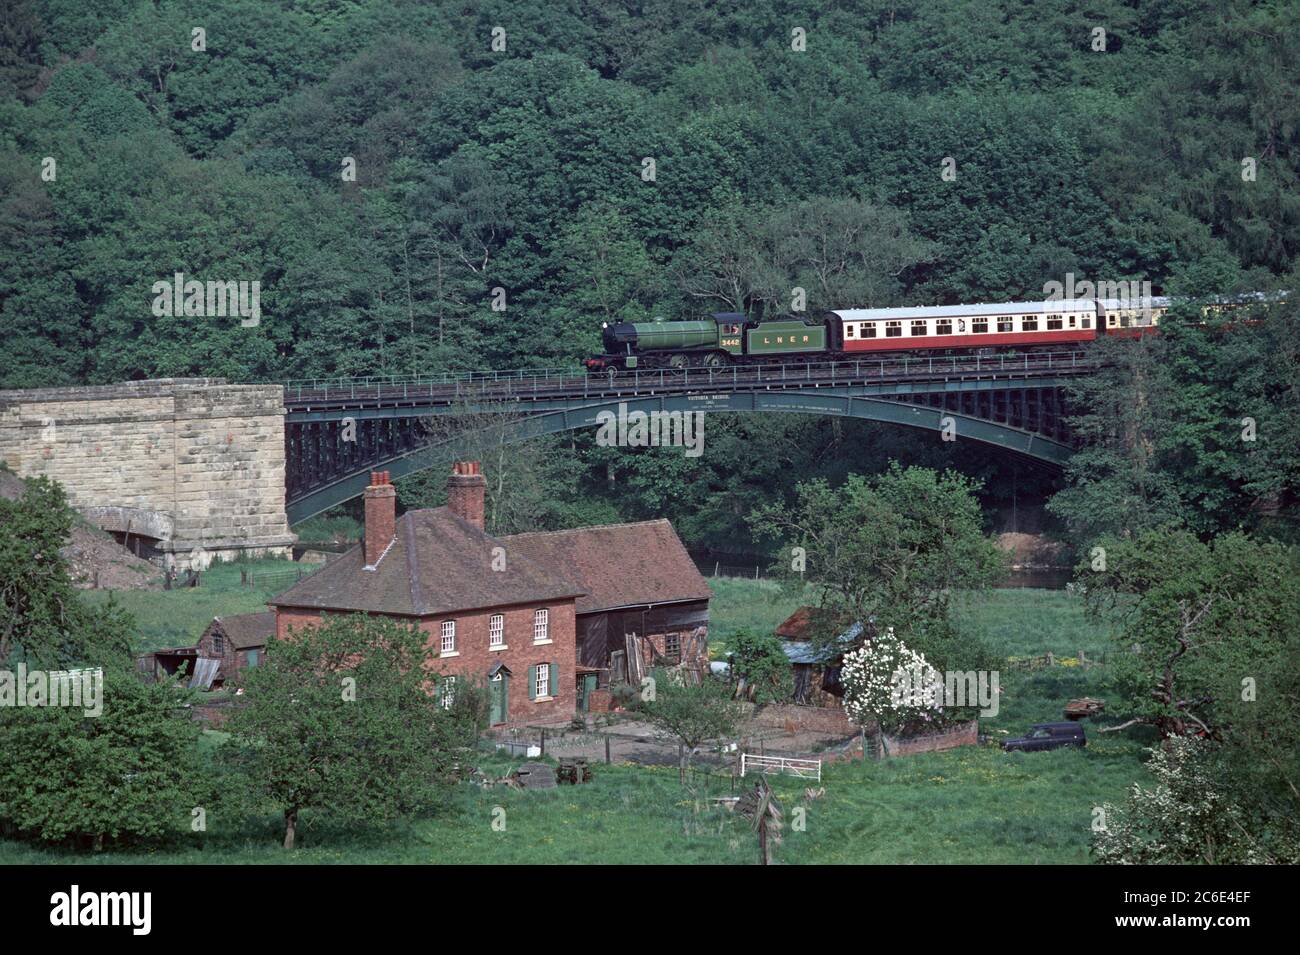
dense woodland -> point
(523, 169)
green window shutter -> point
(532, 683)
(252, 658)
(555, 679)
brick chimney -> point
(381, 516)
(466, 492)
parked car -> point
(1048, 736)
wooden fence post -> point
(606, 749)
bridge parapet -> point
(194, 464)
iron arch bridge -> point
(338, 430)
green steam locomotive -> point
(711, 343)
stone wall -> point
(195, 464)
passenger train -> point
(733, 338)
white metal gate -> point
(803, 768)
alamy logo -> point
(1133, 295)
(103, 908)
(81, 689)
(195, 299)
(958, 688)
(656, 429)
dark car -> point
(1048, 736)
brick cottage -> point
(544, 619)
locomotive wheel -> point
(715, 360)
(678, 364)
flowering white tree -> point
(888, 683)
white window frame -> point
(497, 631)
(447, 695)
(447, 638)
(542, 688)
(541, 626)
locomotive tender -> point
(731, 337)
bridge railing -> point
(537, 383)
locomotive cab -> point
(731, 327)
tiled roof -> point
(617, 565)
(248, 629)
(437, 563)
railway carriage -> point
(1022, 325)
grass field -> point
(173, 618)
(972, 805)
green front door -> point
(499, 698)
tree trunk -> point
(682, 759)
(290, 826)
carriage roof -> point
(966, 311)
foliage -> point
(44, 620)
(1205, 646)
(1195, 426)
(125, 777)
(1193, 621)
(341, 718)
(1185, 818)
(892, 547)
(888, 684)
(690, 713)
(760, 667)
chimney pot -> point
(467, 492)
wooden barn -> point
(237, 641)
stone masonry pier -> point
(193, 466)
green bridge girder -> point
(557, 416)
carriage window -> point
(893, 329)
(1056, 324)
(1004, 324)
(868, 331)
(1087, 322)
(1029, 324)
(918, 327)
(1073, 320)
(848, 331)
(980, 326)
(1110, 320)
(943, 326)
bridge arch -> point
(824, 401)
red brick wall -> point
(473, 659)
(963, 734)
